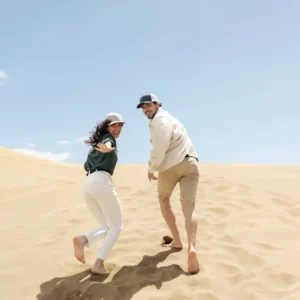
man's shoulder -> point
(163, 116)
(161, 120)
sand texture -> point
(248, 235)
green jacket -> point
(102, 161)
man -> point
(175, 159)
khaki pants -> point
(186, 173)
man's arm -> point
(161, 133)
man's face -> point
(150, 109)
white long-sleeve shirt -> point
(170, 142)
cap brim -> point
(141, 104)
(116, 122)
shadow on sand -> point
(125, 283)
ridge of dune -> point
(8, 154)
(248, 234)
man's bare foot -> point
(98, 267)
(170, 242)
(79, 243)
(175, 245)
(193, 264)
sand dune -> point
(248, 235)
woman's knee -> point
(118, 226)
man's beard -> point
(150, 117)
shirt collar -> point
(159, 111)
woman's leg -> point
(88, 238)
(96, 211)
(108, 200)
(112, 210)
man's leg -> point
(188, 190)
(170, 219)
(166, 183)
(191, 229)
(188, 209)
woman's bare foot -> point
(79, 243)
(170, 242)
(98, 267)
(193, 264)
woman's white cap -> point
(115, 118)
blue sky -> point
(229, 70)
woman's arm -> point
(104, 148)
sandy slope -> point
(248, 236)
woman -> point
(99, 194)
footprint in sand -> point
(74, 221)
(219, 211)
(222, 189)
(243, 193)
(244, 187)
(244, 257)
(227, 269)
(240, 278)
(141, 193)
(202, 222)
(207, 202)
(205, 296)
(234, 206)
(286, 221)
(295, 211)
(267, 247)
(282, 281)
(206, 182)
(198, 281)
(219, 228)
(228, 239)
(46, 241)
(203, 248)
(130, 238)
(132, 209)
(283, 202)
(277, 194)
(252, 204)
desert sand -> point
(248, 235)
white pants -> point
(103, 203)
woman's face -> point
(115, 129)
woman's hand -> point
(104, 148)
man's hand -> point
(104, 148)
(151, 176)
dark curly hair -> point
(99, 131)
